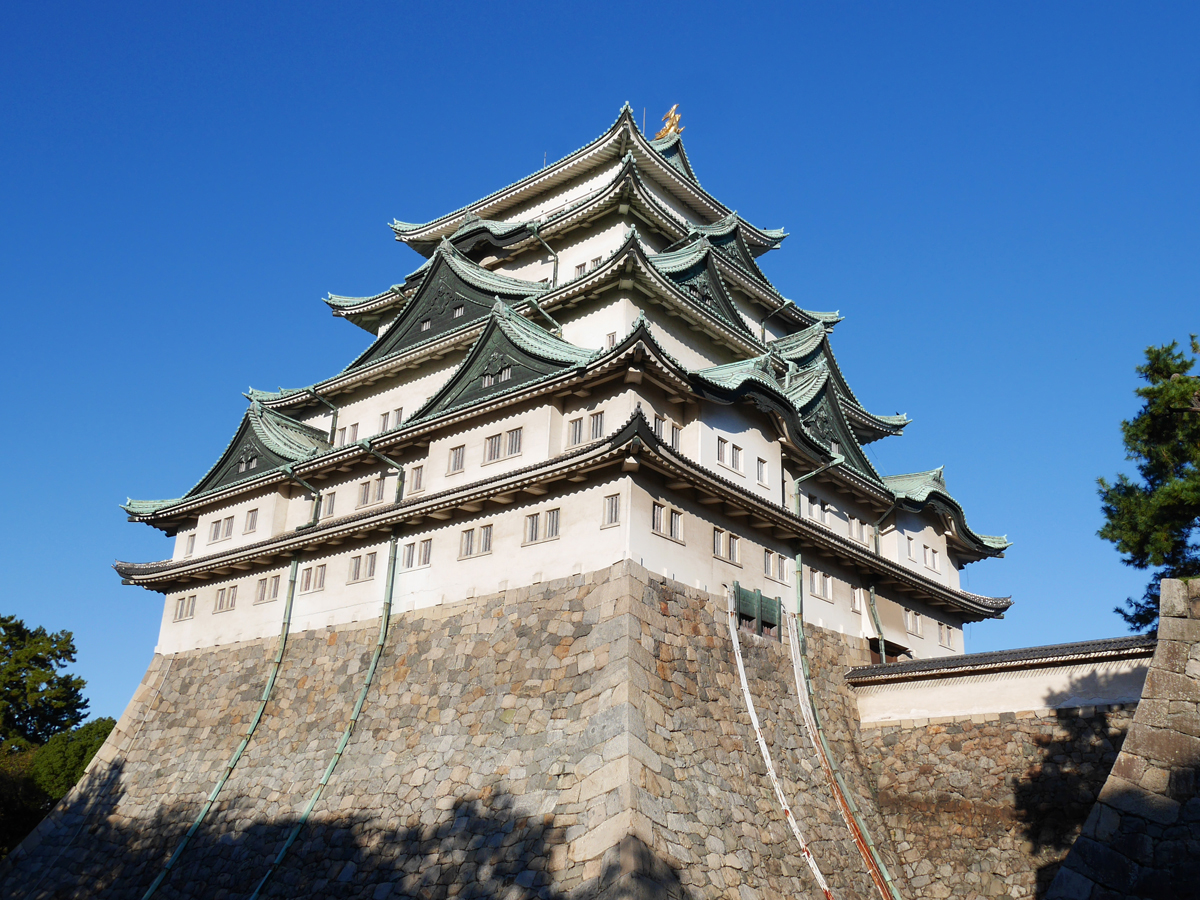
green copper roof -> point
(671, 149)
(919, 487)
(264, 441)
(734, 374)
(339, 302)
(510, 353)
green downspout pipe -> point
(820, 735)
(287, 470)
(385, 617)
(333, 422)
(871, 597)
(554, 278)
(366, 445)
(787, 304)
(546, 316)
(237, 754)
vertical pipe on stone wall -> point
(733, 599)
(237, 754)
(385, 618)
(876, 867)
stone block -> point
(1129, 798)
(1172, 598)
(1172, 629)
(1165, 685)
(1163, 745)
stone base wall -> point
(585, 737)
(1142, 837)
(988, 805)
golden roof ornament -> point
(672, 126)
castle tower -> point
(452, 620)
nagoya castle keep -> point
(578, 582)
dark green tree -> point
(36, 700)
(1155, 520)
(59, 764)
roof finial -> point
(672, 126)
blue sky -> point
(1001, 199)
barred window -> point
(612, 509)
(485, 539)
(457, 459)
(416, 478)
(328, 505)
(425, 552)
(185, 608)
(251, 521)
(597, 425)
(575, 432)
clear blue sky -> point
(1000, 198)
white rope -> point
(766, 754)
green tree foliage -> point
(1155, 520)
(36, 701)
(60, 763)
(22, 802)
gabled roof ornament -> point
(672, 126)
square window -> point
(551, 523)
(251, 521)
(485, 539)
(575, 432)
(457, 459)
(596, 262)
(466, 543)
(416, 478)
(189, 546)
(580, 270)
(612, 509)
(762, 471)
(597, 425)
(327, 504)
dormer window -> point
(459, 311)
(505, 373)
(427, 324)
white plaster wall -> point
(1039, 687)
(268, 503)
(755, 435)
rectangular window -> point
(457, 459)
(214, 531)
(355, 569)
(514, 441)
(532, 531)
(466, 543)
(226, 598)
(426, 324)
(505, 374)
(364, 493)
(460, 311)
(610, 340)
(768, 563)
(912, 622)
(228, 529)
(353, 433)
(251, 521)
(273, 587)
(341, 438)
(656, 517)
(383, 422)
(735, 457)
(597, 425)
(933, 560)
(485, 538)
(416, 478)
(397, 417)
(409, 555)
(856, 600)
(735, 549)
(818, 510)
(306, 579)
(551, 523)
(722, 451)
(945, 635)
(762, 471)
(781, 571)
(575, 432)
(425, 552)
(857, 530)
(820, 584)
(677, 524)
(612, 509)
(912, 549)
(370, 561)
(596, 262)
(185, 607)
(659, 425)
(491, 448)
(189, 546)
(676, 434)
(260, 591)
(380, 484)
(835, 448)
(327, 504)
(718, 543)
(580, 270)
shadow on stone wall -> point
(1053, 797)
(479, 848)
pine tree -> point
(36, 701)
(1155, 520)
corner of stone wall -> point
(1142, 837)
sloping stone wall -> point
(1142, 837)
(988, 805)
(583, 737)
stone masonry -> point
(578, 738)
(1142, 837)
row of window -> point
(929, 555)
(595, 429)
(822, 511)
(387, 420)
(583, 268)
(731, 456)
(220, 529)
(660, 431)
